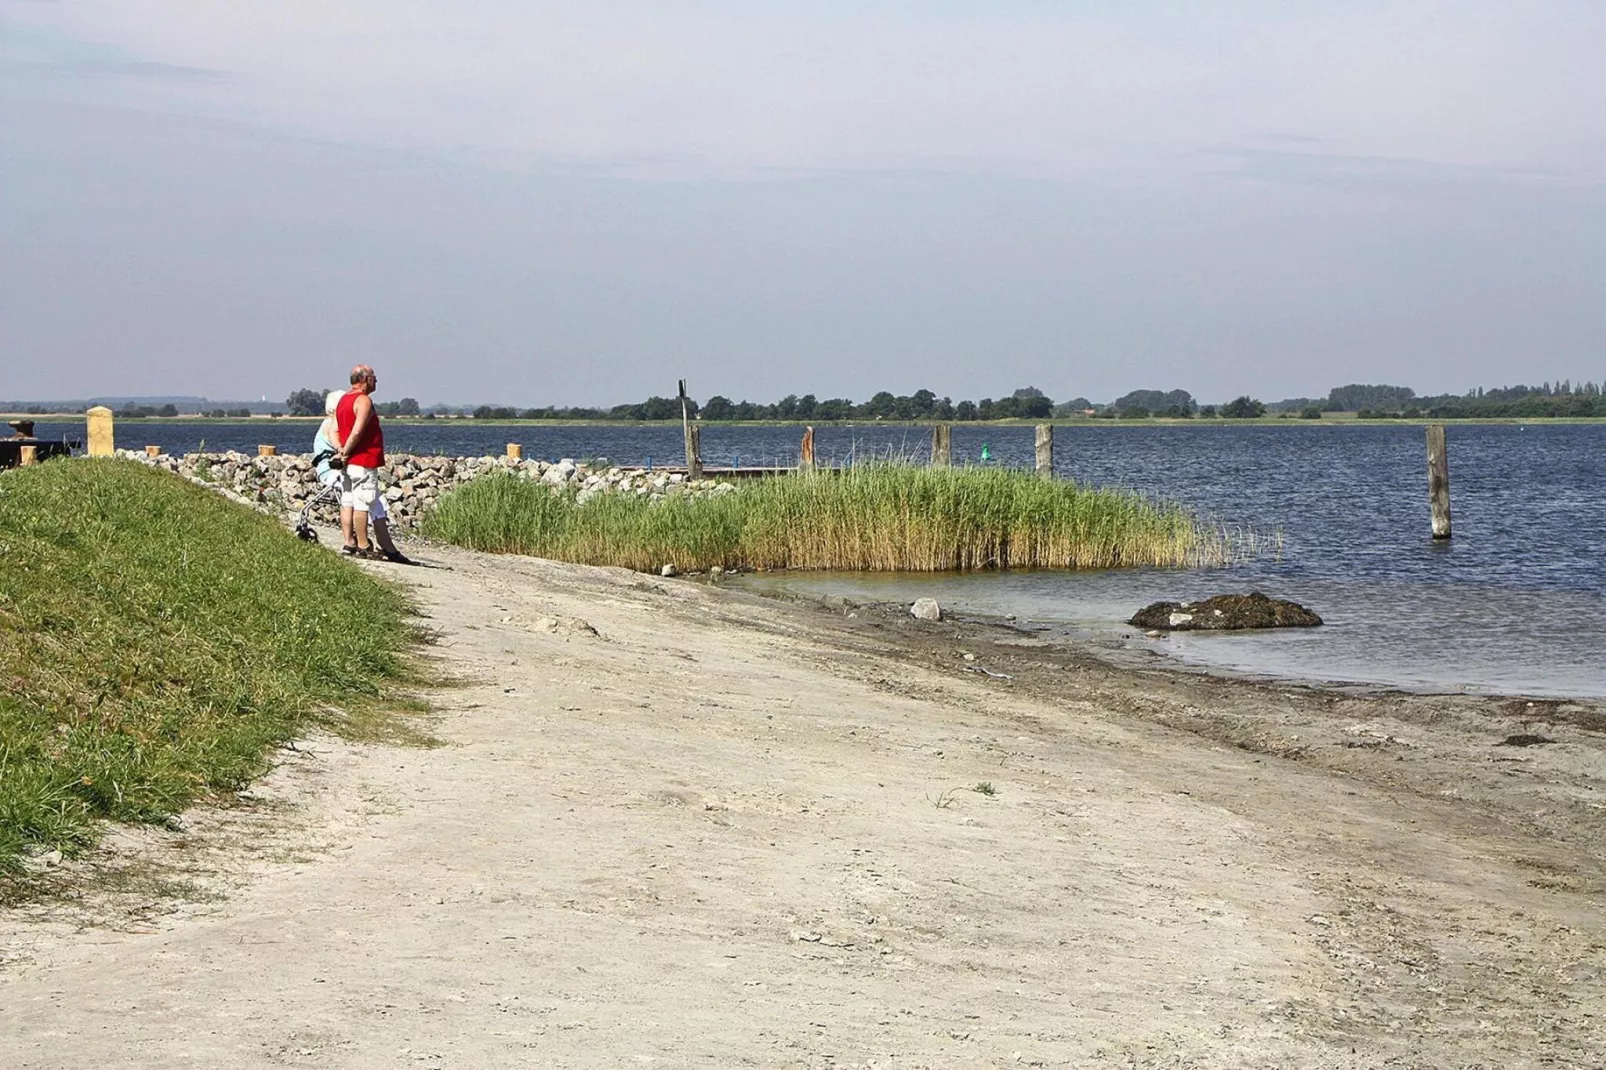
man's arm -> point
(362, 410)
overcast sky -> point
(561, 203)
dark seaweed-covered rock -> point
(1225, 611)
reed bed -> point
(879, 517)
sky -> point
(543, 203)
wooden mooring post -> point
(515, 451)
(153, 451)
(942, 446)
(694, 453)
(1439, 481)
(29, 455)
(1045, 450)
(805, 455)
(267, 451)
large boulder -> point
(1225, 612)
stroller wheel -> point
(305, 533)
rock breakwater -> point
(413, 482)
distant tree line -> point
(1026, 403)
(308, 402)
(1562, 398)
(1030, 403)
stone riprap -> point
(413, 482)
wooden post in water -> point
(694, 454)
(153, 451)
(805, 456)
(1439, 481)
(101, 443)
(1045, 450)
(515, 451)
(30, 455)
(942, 449)
(267, 451)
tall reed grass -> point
(878, 517)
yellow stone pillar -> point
(100, 432)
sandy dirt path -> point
(676, 826)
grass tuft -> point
(156, 641)
(875, 517)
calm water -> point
(1515, 602)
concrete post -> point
(101, 442)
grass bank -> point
(156, 641)
(888, 517)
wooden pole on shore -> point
(942, 448)
(1439, 481)
(805, 457)
(30, 455)
(153, 451)
(1045, 450)
(267, 451)
(694, 453)
(515, 451)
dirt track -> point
(725, 832)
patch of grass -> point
(985, 787)
(156, 641)
(878, 517)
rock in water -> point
(1225, 612)
(926, 609)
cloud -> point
(726, 88)
(1363, 173)
(115, 68)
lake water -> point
(1516, 602)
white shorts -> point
(332, 479)
(359, 490)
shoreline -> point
(1337, 420)
(838, 840)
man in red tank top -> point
(362, 449)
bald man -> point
(362, 452)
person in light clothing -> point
(361, 451)
(323, 443)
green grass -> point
(879, 517)
(156, 641)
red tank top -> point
(370, 452)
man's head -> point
(363, 379)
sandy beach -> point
(672, 825)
